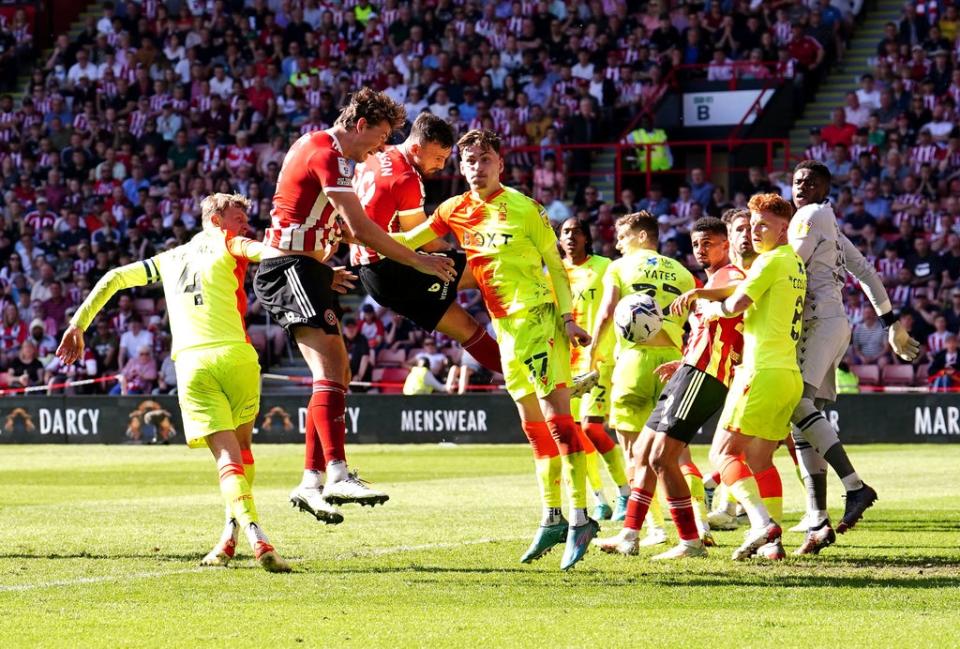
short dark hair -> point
(710, 225)
(486, 139)
(430, 128)
(373, 106)
(734, 213)
(816, 168)
(642, 221)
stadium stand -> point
(110, 138)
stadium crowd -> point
(125, 127)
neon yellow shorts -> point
(760, 402)
(218, 389)
(535, 351)
(595, 403)
(635, 387)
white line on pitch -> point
(98, 580)
(379, 552)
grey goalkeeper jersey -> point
(828, 254)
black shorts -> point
(298, 290)
(690, 398)
(414, 295)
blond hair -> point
(218, 203)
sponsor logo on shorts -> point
(344, 182)
(434, 287)
(330, 317)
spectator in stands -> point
(139, 373)
(44, 344)
(361, 356)
(134, 339)
(557, 210)
(106, 345)
(438, 360)
(847, 382)
(869, 340)
(700, 188)
(371, 327)
(167, 376)
(421, 380)
(25, 369)
(945, 367)
(839, 131)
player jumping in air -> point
(827, 253)
(218, 375)
(390, 186)
(508, 240)
(767, 385)
(695, 391)
(585, 273)
(314, 190)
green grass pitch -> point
(99, 546)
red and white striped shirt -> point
(389, 187)
(782, 32)
(716, 346)
(302, 218)
(211, 157)
(889, 268)
(902, 295)
(937, 341)
(38, 221)
(819, 152)
(240, 156)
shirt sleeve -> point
(870, 281)
(139, 273)
(244, 248)
(409, 195)
(545, 239)
(804, 233)
(760, 278)
(334, 171)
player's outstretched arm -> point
(682, 304)
(138, 273)
(245, 248)
(608, 303)
(544, 238)
(365, 230)
(856, 264)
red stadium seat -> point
(258, 340)
(413, 353)
(922, 374)
(897, 375)
(868, 374)
(391, 358)
(394, 375)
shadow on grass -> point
(157, 556)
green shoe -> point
(547, 537)
(620, 513)
(578, 542)
(602, 512)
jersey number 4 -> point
(190, 283)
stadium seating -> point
(897, 375)
(869, 375)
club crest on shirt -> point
(345, 167)
(502, 212)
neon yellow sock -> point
(249, 468)
(616, 465)
(548, 477)
(699, 497)
(593, 470)
(575, 473)
(774, 505)
(236, 493)
(655, 513)
(747, 494)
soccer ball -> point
(638, 318)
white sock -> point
(691, 543)
(600, 498)
(229, 532)
(255, 534)
(336, 471)
(852, 482)
(312, 479)
(624, 489)
(817, 518)
(578, 516)
(551, 516)
(628, 534)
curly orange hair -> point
(773, 203)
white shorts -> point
(820, 350)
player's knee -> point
(804, 410)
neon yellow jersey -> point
(663, 278)
(776, 282)
(586, 285)
(202, 285)
(508, 240)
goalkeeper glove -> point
(903, 345)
